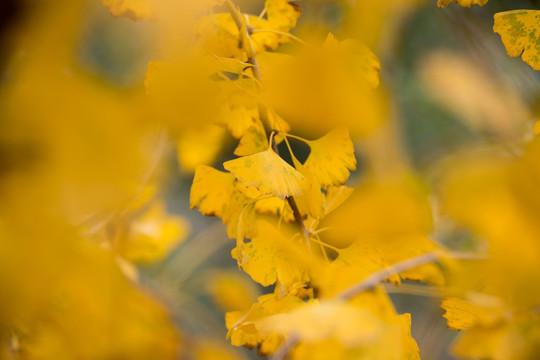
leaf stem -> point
(298, 138)
(263, 110)
(291, 36)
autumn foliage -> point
(324, 212)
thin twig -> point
(285, 348)
(282, 33)
(263, 110)
(377, 277)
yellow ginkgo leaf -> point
(241, 218)
(217, 64)
(211, 190)
(269, 173)
(242, 330)
(238, 118)
(153, 235)
(207, 349)
(335, 196)
(358, 58)
(464, 3)
(199, 146)
(281, 17)
(315, 322)
(266, 261)
(312, 201)
(282, 14)
(519, 30)
(253, 141)
(381, 210)
(478, 310)
(537, 128)
(331, 158)
(398, 334)
(232, 291)
(133, 9)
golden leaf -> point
(242, 330)
(379, 210)
(465, 3)
(269, 173)
(477, 310)
(232, 291)
(331, 158)
(133, 9)
(519, 33)
(252, 141)
(266, 261)
(153, 235)
(335, 196)
(315, 322)
(211, 190)
(199, 146)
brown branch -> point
(374, 279)
(263, 110)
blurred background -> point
(450, 88)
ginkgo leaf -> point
(240, 214)
(335, 196)
(312, 201)
(148, 9)
(199, 146)
(315, 322)
(282, 14)
(519, 31)
(218, 64)
(269, 173)
(133, 9)
(398, 334)
(232, 291)
(242, 330)
(479, 309)
(241, 219)
(352, 265)
(266, 261)
(338, 96)
(253, 141)
(238, 118)
(210, 349)
(465, 3)
(153, 235)
(358, 58)
(331, 158)
(211, 191)
(381, 210)
(216, 193)
(219, 34)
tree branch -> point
(263, 110)
(377, 277)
